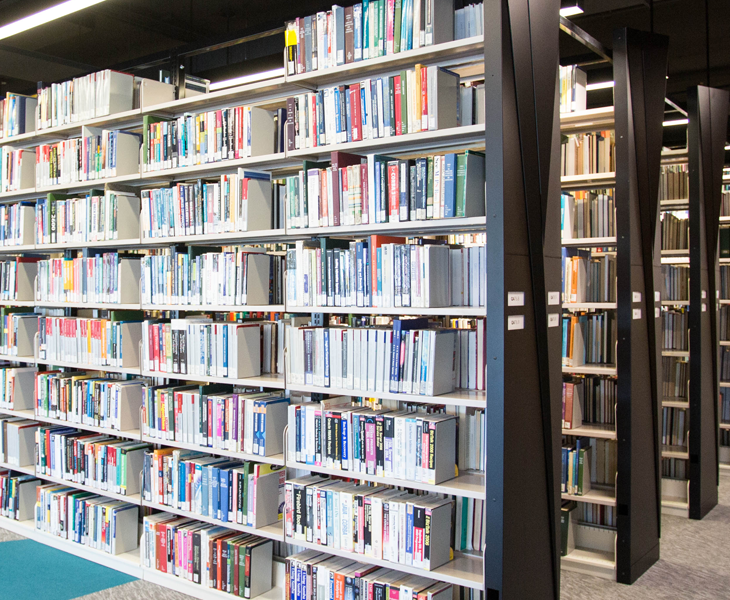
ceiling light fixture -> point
(602, 85)
(219, 85)
(570, 8)
(44, 16)
(675, 122)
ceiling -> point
(201, 37)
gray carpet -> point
(694, 564)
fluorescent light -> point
(219, 85)
(727, 147)
(599, 86)
(571, 11)
(675, 122)
(44, 16)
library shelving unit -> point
(639, 66)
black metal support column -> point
(640, 67)
(522, 551)
(708, 113)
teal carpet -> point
(32, 571)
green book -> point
(391, 107)
(470, 184)
(429, 189)
(460, 184)
(381, 28)
(397, 24)
(565, 511)
(725, 242)
(404, 102)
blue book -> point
(338, 117)
(409, 533)
(384, 89)
(223, 487)
(225, 350)
(214, 492)
(375, 115)
(397, 354)
(365, 37)
(348, 117)
(449, 183)
(330, 520)
(205, 486)
(344, 439)
(357, 31)
(355, 438)
(379, 266)
(364, 112)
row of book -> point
(469, 21)
(200, 346)
(587, 278)
(384, 523)
(408, 358)
(600, 515)
(17, 495)
(79, 397)
(588, 214)
(725, 201)
(472, 103)
(82, 98)
(589, 400)
(9, 284)
(367, 30)
(675, 230)
(13, 223)
(88, 341)
(725, 405)
(588, 153)
(12, 377)
(312, 575)
(93, 217)
(200, 138)
(16, 169)
(399, 444)
(674, 182)
(675, 378)
(88, 519)
(16, 440)
(15, 323)
(85, 279)
(354, 190)
(384, 271)
(589, 339)
(576, 463)
(110, 153)
(724, 323)
(675, 426)
(208, 555)
(675, 468)
(675, 330)
(94, 460)
(675, 282)
(238, 201)
(198, 276)
(212, 416)
(229, 491)
(725, 364)
(425, 98)
(17, 113)
(573, 82)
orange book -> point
(339, 586)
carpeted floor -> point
(695, 564)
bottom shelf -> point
(126, 563)
(590, 562)
(676, 507)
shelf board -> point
(724, 261)
(457, 311)
(725, 384)
(677, 353)
(195, 590)
(268, 381)
(133, 499)
(604, 496)
(19, 248)
(591, 370)
(272, 161)
(274, 531)
(675, 260)
(87, 185)
(19, 359)
(215, 307)
(453, 51)
(590, 562)
(675, 302)
(724, 343)
(19, 194)
(677, 507)
(724, 301)
(131, 434)
(76, 365)
(583, 121)
(70, 245)
(589, 305)
(18, 303)
(452, 137)
(588, 182)
(674, 204)
(428, 227)
(669, 403)
(477, 399)
(25, 470)
(464, 570)
(466, 485)
(92, 305)
(275, 459)
(589, 242)
(724, 425)
(676, 252)
(126, 563)
(724, 219)
(605, 432)
(675, 452)
(225, 239)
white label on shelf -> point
(704, 307)
(637, 313)
(516, 322)
(636, 296)
(553, 298)
(515, 298)
(553, 320)
(657, 297)
(704, 294)
(657, 312)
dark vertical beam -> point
(708, 115)
(522, 551)
(640, 66)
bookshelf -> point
(625, 552)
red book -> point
(397, 93)
(313, 125)
(161, 554)
(355, 114)
(393, 193)
(424, 99)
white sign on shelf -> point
(657, 312)
(553, 320)
(553, 298)
(704, 294)
(657, 296)
(515, 298)
(704, 307)
(637, 313)
(515, 322)
(636, 296)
